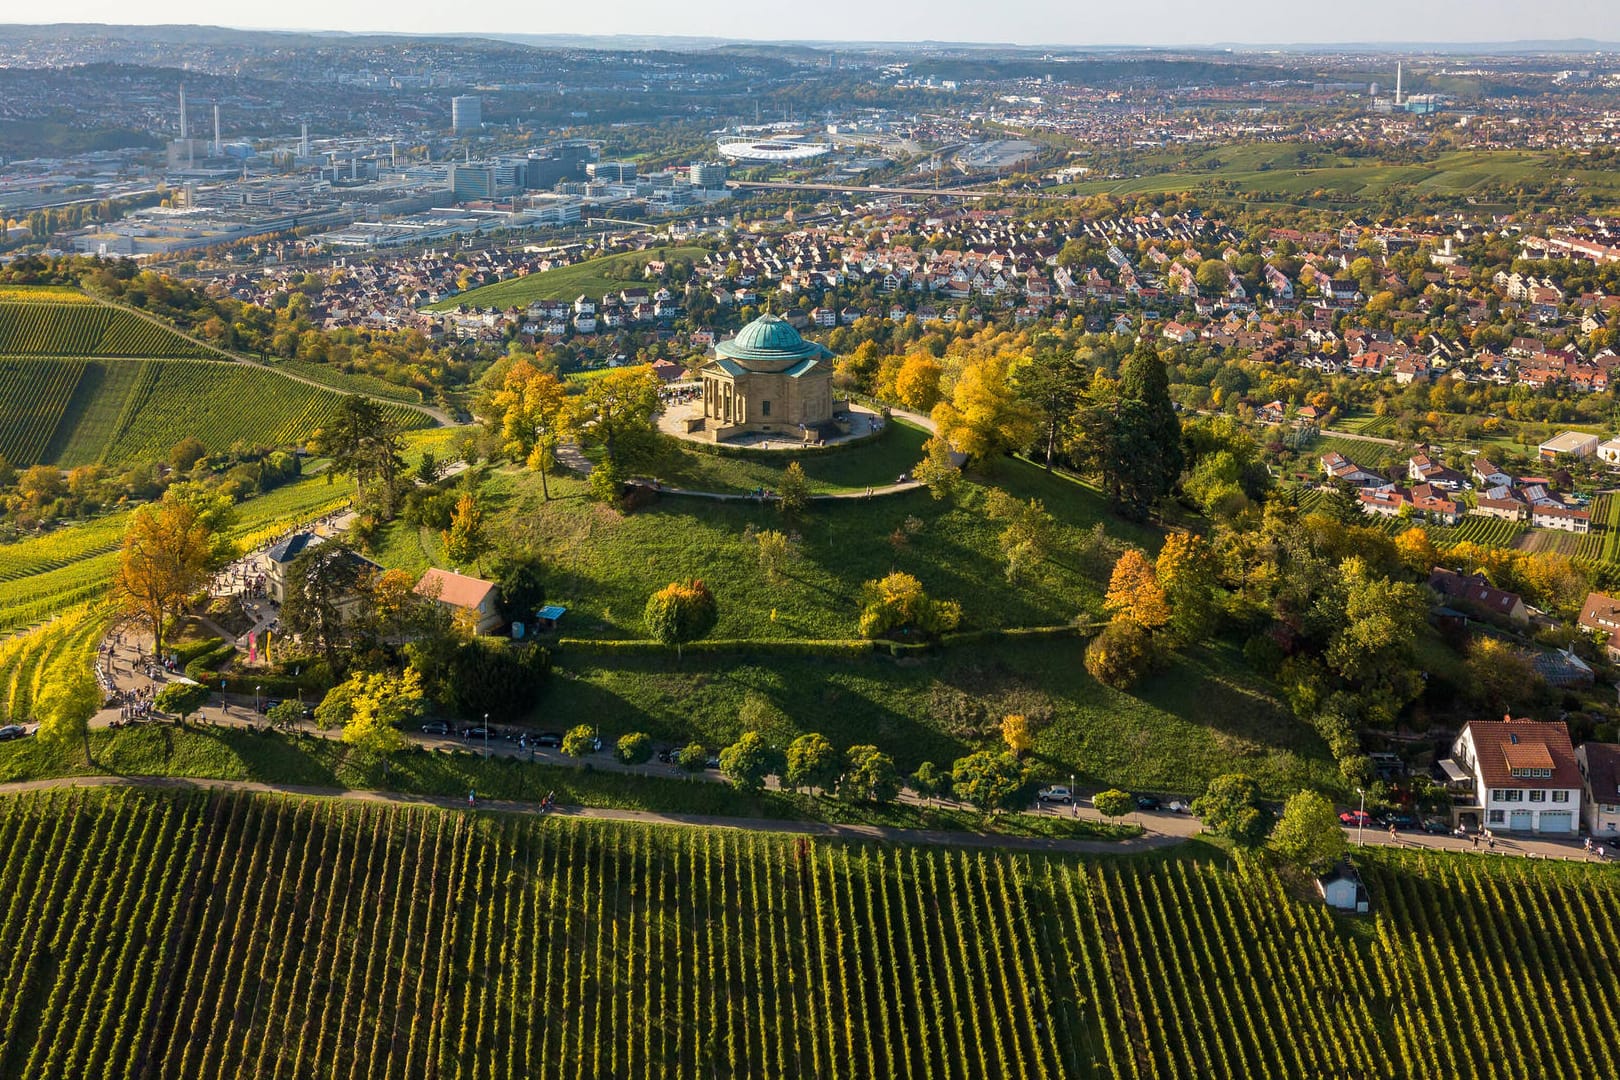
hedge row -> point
(834, 648)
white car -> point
(1055, 794)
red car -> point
(1356, 817)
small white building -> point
(1600, 772)
(1609, 451)
(1341, 888)
(1524, 773)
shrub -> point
(579, 741)
(748, 761)
(636, 748)
(1121, 655)
(692, 757)
(988, 781)
(897, 606)
(930, 781)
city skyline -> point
(1021, 22)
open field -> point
(71, 411)
(591, 278)
(212, 936)
(876, 464)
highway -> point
(858, 189)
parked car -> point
(1147, 802)
(1435, 827)
(1177, 806)
(268, 703)
(667, 755)
(478, 732)
(1399, 821)
(436, 727)
(549, 740)
(12, 731)
(1055, 794)
(1356, 817)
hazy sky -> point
(1030, 22)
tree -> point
(520, 583)
(748, 761)
(181, 699)
(579, 741)
(1501, 678)
(615, 412)
(811, 763)
(1416, 551)
(692, 758)
(937, 471)
(186, 453)
(68, 698)
(164, 559)
(984, 416)
(988, 781)
(363, 443)
(916, 384)
(1185, 571)
(1053, 382)
(377, 704)
(1134, 592)
(1230, 807)
(1030, 535)
(793, 492)
(1017, 733)
(531, 412)
(635, 748)
(287, 714)
(777, 551)
(1113, 803)
(1212, 275)
(870, 775)
(930, 781)
(325, 584)
(1122, 654)
(1308, 834)
(681, 612)
(1129, 433)
(466, 542)
(897, 606)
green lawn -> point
(855, 469)
(592, 277)
(1204, 715)
(605, 564)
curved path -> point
(931, 837)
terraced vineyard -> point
(53, 328)
(71, 412)
(222, 935)
(24, 658)
(1602, 544)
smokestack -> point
(182, 112)
(303, 142)
(1397, 82)
(219, 147)
(393, 155)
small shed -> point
(549, 616)
(1341, 888)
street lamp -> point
(1074, 798)
(1361, 815)
(486, 734)
(257, 690)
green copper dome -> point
(769, 340)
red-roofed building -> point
(1601, 613)
(1525, 776)
(467, 597)
(1600, 768)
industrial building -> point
(466, 112)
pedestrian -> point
(471, 799)
(1491, 842)
(1475, 838)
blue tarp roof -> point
(551, 611)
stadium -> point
(752, 151)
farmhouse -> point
(1600, 773)
(1601, 614)
(1524, 775)
(1473, 594)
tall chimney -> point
(303, 142)
(219, 147)
(1397, 83)
(182, 112)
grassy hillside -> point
(592, 278)
(213, 936)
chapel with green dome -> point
(767, 379)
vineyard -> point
(25, 657)
(77, 329)
(234, 935)
(77, 412)
(1602, 544)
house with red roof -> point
(467, 597)
(1524, 775)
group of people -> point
(134, 705)
(1596, 849)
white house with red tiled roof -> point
(1524, 774)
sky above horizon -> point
(1024, 22)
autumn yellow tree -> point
(531, 410)
(165, 558)
(984, 416)
(1185, 570)
(1017, 733)
(916, 384)
(1134, 592)
(1416, 551)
